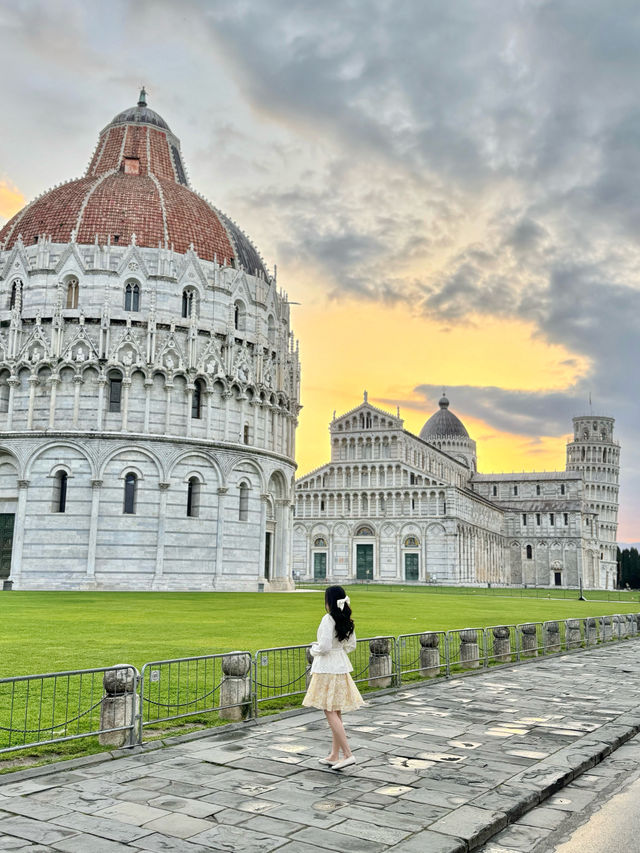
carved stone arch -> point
(111, 455)
(40, 450)
(278, 485)
(207, 458)
(246, 460)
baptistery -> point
(149, 383)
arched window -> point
(132, 296)
(320, 542)
(364, 531)
(271, 326)
(193, 497)
(243, 507)
(196, 399)
(130, 493)
(411, 542)
(115, 391)
(529, 552)
(60, 492)
(16, 294)
(73, 288)
(239, 315)
(245, 434)
(189, 305)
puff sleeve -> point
(349, 645)
(324, 642)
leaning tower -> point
(596, 454)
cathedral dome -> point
(443, 423)
(135, 188)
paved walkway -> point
(441, 768)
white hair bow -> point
(342, 601)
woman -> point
(332, 688)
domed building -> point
(149, 383)
(395, 507)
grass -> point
(53, 631)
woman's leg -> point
(334, 718)
(334, 755)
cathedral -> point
(149, 383)
(394, 507)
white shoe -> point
(326, 761)
(346, 762)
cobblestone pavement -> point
(596, 812)
(441, 768)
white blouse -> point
(330, 653)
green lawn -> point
(52, 631)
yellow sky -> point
(11, 199)
(349, 346)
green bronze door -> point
(364, 562)
(320, 565)
(411, 567)
(6, 543)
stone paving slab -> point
(441, 768)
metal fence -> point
(38, 710)
(184, 687)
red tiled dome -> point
(135, 184)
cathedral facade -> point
(395, 507)
(149, 383)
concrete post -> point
(469, 650)
(572, 628)
(120, 706)
(591, 630)
(429, 655)
(529, 640)
(606, 629)
(501, 644)
(551, 637)
(380, 664)
(235, 690)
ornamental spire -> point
(142, 100)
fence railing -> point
(117, 703)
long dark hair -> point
(342, 617)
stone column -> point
(235, 690)
(551, 637)
(225, 405)
(126, 385)
(167, 415)
(120, 706)
(380, 663)
(102, 381)
(591, 630)
(54, 381)
(162, 523)
(96, 485)
(222, 491)
(189, 394)
(148, 385)
(501, 644)
(18, 533)
(572, 628)
(13, 383)
(77, 383)
(469, 649)
(33, 381)
(208, 396)
(529, 638)
(429, 655)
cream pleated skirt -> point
(333, 692)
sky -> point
(451, 191)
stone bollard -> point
(235, 690)
(429, 655)
(307, 679)
(572, 627)
(380, 665)
(551, 637)
(620, 630)
(120, 706)
(591, 630)
(606, 629)
(529, 640)
(502, 644)
(633, 624)
(469, 651)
